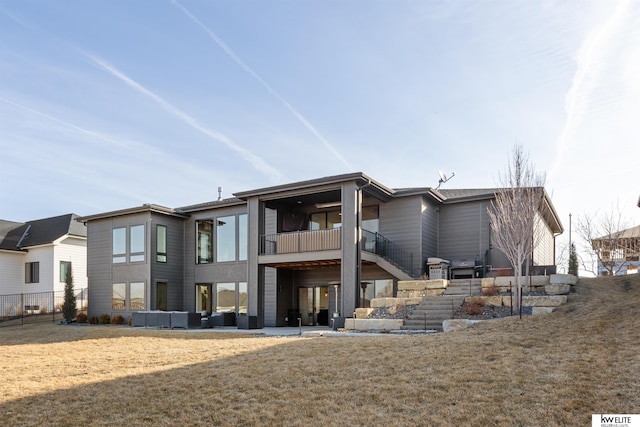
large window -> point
(128, 297)
(370, 221)
(161, 243)
(325, 220)
(65, 267)
(226, 239)
(231, 297)
(204, 242)
(32, 272)
(136, 245)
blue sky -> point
(111, 104)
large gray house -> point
(314, 249)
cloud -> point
(269, 89)
(255, 161)
(590, 62)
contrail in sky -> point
(257, 162)
(589, 62)
(255, 75)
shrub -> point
(81, 318)
(491, 291)
(117, 320)
(130, 321)
(104, 319)
(93, 320)
(44, 310)
(474, 308)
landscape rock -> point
(557, 289)
(542, 310)
(563, 279)
(544, 301)
(451, 325)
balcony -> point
(300, 241)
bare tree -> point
(609, 243)
(513, 214)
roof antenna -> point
(443, 178)
(219, 193)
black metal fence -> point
(378, 244)
(37, 307)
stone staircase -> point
(433, 310)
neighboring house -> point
(618, 253)
(314, 249)
(34, 255)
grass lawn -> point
(547, 370)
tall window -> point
(136, 296)
(243, 237)
(161, 243)
(242, 297)
(204, 242)
(203, 297)
(65, 266)
(119, 245)
(225, 297)
(226, 239)
(32, 272)
(119, 296)
(136, 243)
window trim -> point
(63, 275)
(32, 272)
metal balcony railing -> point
(300, 241)
(377, 244)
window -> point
(325, 220)
(226, 239)
(225, 297)
(136, 243)
(65, 266)
(161, 243)
(133, 300)
(119, 296)
(119, 247)
(243, 237)
(136, 296)
(370, 221)
(242, 297)
(32, 272)
(204, 239)
(377, 289)
(203, 297)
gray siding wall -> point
(216, 272)
(429, 232)
(401, 222)
(171, 272)
(103, 273)
(464, 230)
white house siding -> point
(74, 250)
(543, 252)
(43, 255)
(11, 272)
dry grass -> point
(548, 370)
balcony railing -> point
(300, 241)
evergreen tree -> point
(69, 305)
(573, 261)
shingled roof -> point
(17, 236)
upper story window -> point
(161, 243)
(226, 239)
(243, 237)
(136, 245)
(32, 272)
(325, 220)
(204, 241)
(65, 267)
